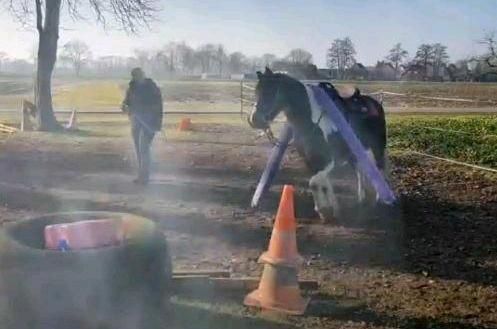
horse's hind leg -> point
(366, 194)
(361, 182)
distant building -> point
(325, 74)
(487, 77)
(237, 76)
(481, 71)
(209, 76)
(459, 71)
(383, 71)
(357, 72)
(417, 72)
(414, 72)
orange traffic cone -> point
(278, 291)
(283, 244)
(185, 124)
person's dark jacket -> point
(144, 101)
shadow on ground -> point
(449, 241)
(209, 309)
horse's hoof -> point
(328, 216)
(329, 221)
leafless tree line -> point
(174, 59)
(431, 62)
(177, 59)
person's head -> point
(137, 75)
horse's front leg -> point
(323, 192)
(365, 191)
(361, 182)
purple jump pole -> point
(365, 164)
(273, 164)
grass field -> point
(178, 95)
(468, 138)
(465, 138)
(224, 95)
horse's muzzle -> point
(256, 120)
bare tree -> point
(341, 55)
(189, 61)
(236, 61)
(254, 64)
(440, 59)
(489, 40)
(299, 56)
(77, 53)
(143, 57)
(169, 54)
(425, 56)
(460, 70)
(268, 59)
(130, 15)
(3, 56)
(396, 56)
(220, 57)
(185, 57)
(205, 55)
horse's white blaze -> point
(319, 116)
(323, 191)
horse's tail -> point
(378, 126)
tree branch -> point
(130, 15)
(21, 10)
(73, 9)
(490, 42)
(39, 17)
(487, 60)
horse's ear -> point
(259, 74)
(357, 92)
(268, 71)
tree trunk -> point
(426, 68)
(47, 56)
(77, 69)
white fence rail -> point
(460, 163)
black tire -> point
(124, 286)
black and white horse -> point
(316, 137)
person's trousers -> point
(143, 140)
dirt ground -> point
(432, 265)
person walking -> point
(143, 104)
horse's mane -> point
(286, 78)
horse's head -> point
(267, 105)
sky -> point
(276, 26)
